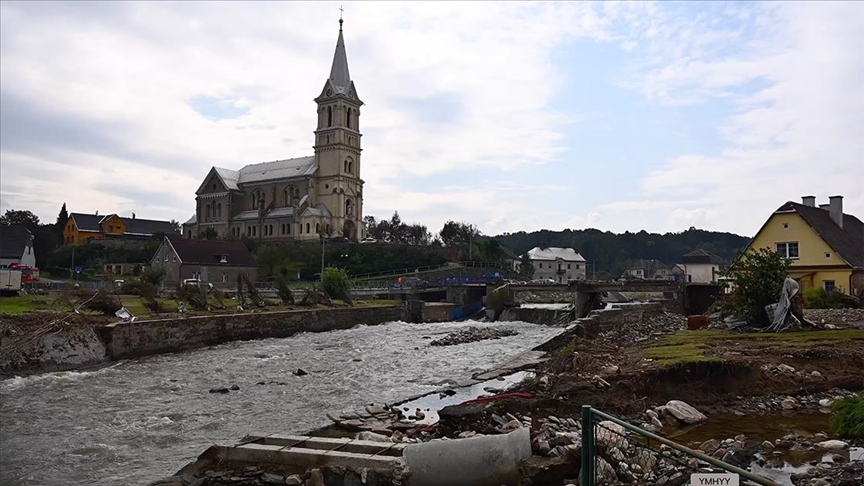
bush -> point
(102, 302)
(819, 298)
(759, 276)
(336, 284)
(193, 296)
(154, 276)
(848, 421)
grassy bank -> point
(703, 346)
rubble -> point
(471, 335)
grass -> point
(691, 346)
(24, 304)
(848, 420)
(17, 305)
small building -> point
(701, 266)
(824, 245)
(16, 247)
(648, 270)
(558, 264)
(80, 228)
(213, 261)
(678, 272)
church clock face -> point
(329, 92)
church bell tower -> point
(337, 148)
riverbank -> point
(51, 341)
(761, 402)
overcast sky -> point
(512, 116)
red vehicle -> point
(28, 274)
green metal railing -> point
(590, 424)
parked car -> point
(196, 282)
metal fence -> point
(616, 452)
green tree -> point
(61, 220)
(336, 284)
(526, 270)
(758, 277)
(18, 217)
(209, 234)
(174, 224)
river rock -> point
(235, 387)
(294, 480)
(372, 436)
(272, 478)
(785, 369)
(683, 412)
(375, 409)
(767, 445)
(510, 426)
(316, 478)
(789, 403)
(833, 445)
(221, 390)
(645, 460)
(610, 434)
(825, 402)
(300, 372)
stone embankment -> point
(43, 342)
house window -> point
(788, 250)
(224, 277)
(568, 266)
(827, 255)
(288, 229)
(577, 266)
(173, 258)
(539, 265)
(829, 285)
(785, 225)
(254, 231)
(218, 210)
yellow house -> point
(825, 246)
(83, 227)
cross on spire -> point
(340, 17)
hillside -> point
(611, 252)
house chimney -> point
(824, 206)
(133, 215)
(836, 209)
(809, 201)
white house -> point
(558, 264)
(702, 267)
(16, 247)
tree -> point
(527, 267)
(61, 220)
(759, 276)
(174, 224)
(210, 234)
(18, 217)
(336, 283)
(458, 234)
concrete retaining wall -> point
(141, 338)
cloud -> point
(126, 106)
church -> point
(303, 198)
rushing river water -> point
(143, 419)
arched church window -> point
(318, 228)
(256, 199)
(307, 227)
(349, 207)
(329, 116)
(348, 118)
(218, 210)
(350, 167)
(207, 211)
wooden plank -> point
(309, 458)
(329, 443)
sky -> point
(621, 116)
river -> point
(139, 420)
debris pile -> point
(651, 324)
(471, 335)
(835, 316)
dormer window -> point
(223, 258)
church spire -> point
(339, 71)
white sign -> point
(702, 479)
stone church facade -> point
(302, 198)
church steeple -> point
(339, 70)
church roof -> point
(339, 70)
(268, 171)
